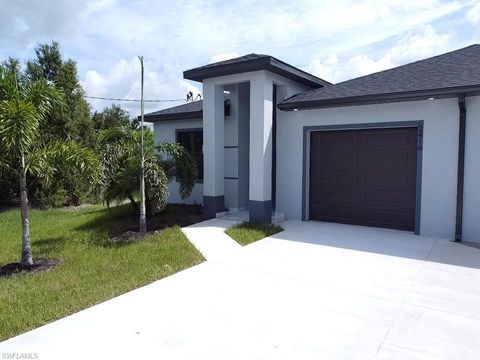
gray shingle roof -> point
(239, 59)
(454, 71)
(186, 111)
(253, 62)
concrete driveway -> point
(314, 291)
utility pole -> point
(143, 215)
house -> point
(397, 149)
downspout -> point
(461, 166)
(274, 149)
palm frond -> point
(6, 166)
(40, 163)
(8, 85)
(43, 95)
(156, 184)
(18, 125)
(185, 166)
(117, 135)
(69, 154)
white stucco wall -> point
(440, 152)
(287, 87)
(165, 131)
(471, 206)
(260, 153)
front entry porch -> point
(238, 146)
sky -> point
(333, 39)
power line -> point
(134, 100)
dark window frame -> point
(178, 133)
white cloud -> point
(327, 69)
(38, 19)
(123, 81)
(97, 6)
(103, 36)
(413, 45)
(363, 64)
(223, 56)
(473, 14)
(420, 43)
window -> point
(192, 140)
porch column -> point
(213, 152)
(260, 203)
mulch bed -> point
(39, 265)
(176, 215)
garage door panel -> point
(381, 157)
(334, 193)
(337, 176)
(396, 197)
(396, 219)
(387, 137)
(364, 177)
(336, 212)
(339, 158)
(338, 139)
(387, 180)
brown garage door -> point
(364, 177)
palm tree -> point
(121, 147)
(24, 104)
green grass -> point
(93, 270)
(248, 232)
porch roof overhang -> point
(254, 62)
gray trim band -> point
(213, 205)
(461, 167)
(442, 93)
(380, 125)
(176, 116)
(260, 211)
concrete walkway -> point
(313, 291)
(210, 239)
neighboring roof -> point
(189, 110)
(253, 62)
(441, 76)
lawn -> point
(248, 232)
(93, 269)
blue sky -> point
(334, 39)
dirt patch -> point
(129, 236)
(39, 265)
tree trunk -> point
(26, 248)
(143, 215)
(133, 202)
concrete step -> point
(242, 216)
